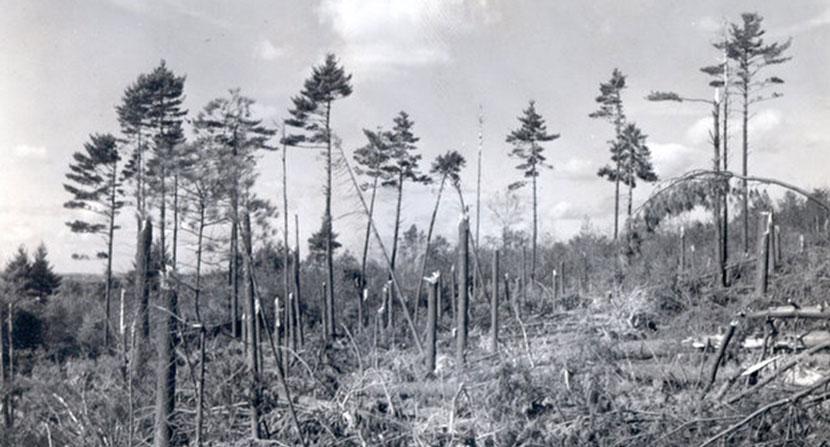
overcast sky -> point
(65, 63)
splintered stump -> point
(432, 320)
(762, 270)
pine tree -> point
(371, 160)
(446, 166)
(527, 147)
(633, 157)
(611, 109)
(42, 280)
(318, 243)
(312, 115)
(97, 188)
(746, 47)
(402, 166)
(17, 272)
(226, 126)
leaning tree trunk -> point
(329, 324)
(426, 249)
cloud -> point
(390, 34)
(23, 151)
(765, 121)
(577, 169)
(266, 50)
(699, 133)
(816, 21)
(672, 159)
(708, 24)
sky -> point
(64, 65)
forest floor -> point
(619, 371)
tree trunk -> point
(494, 305)
(717, 221)
(252, 328)
(463, 286)
(363, 259)
(200, 398)
(395, 236)
(744, 170)
(330, 319)
(166, 368)
(535, 231)
(432, 323)
(143, 272)
(297, 294)
(286, 259)
(762, 270)
(110, 233)
(426, 249)
(234, 267)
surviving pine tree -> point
(611, 109)
(96, 187)
(630, 161)
(311, 114)
(527, 147)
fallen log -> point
(790, 311)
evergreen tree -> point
(17, 272)
(527, 147)
(317, 243)
(42, 280)
(633, 157)
(226, 128)
(96, 187)
(746, 47)
(611, 109)
(371, 160)
(312, 115)
(402, 166)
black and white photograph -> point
(414, 223)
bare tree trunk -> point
(426, 249)
(395, 239)
(297, 293)
(286, 259)
(330, 319)
(744, 170)
(762, 271)
(494, 305)
(143, 271)
(363, 259)
(535, 231)
(252, 328)
(5, 341)
(110, 233)
(432, 322)
(463, 286)
(166, 368)
(234, 270)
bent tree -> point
(311, 114)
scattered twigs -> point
(763, 410)
(719, 358)
(778, 372)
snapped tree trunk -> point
(426, 249)
(166, 368)
(143, 272)
(432, 321)
(330, 319)
(494, 305)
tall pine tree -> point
(611, 109)
(311, 114)
(96, 187)
(527, 147)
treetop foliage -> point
(526, 141)
(610, 99)
(312, 107)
